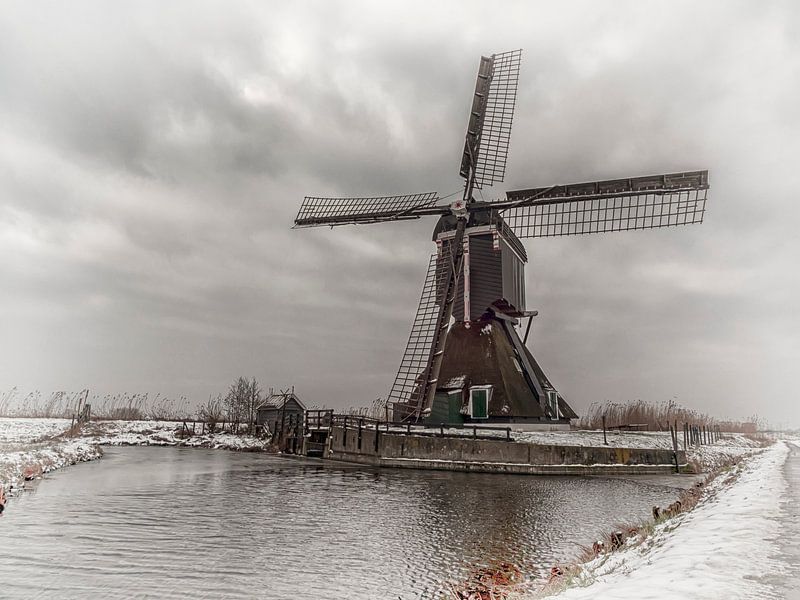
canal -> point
(148, 522)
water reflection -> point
(190, 523)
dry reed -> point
(657, 416)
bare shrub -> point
(212, 413)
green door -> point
(480, 404)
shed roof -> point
(276, 401)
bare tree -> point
(242, 401)
(254, 398)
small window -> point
(479, 402)
(552, 400)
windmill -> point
(464, 360)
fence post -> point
(441, 429)
(674, 434)
(508, 434)
(605, 441)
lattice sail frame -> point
(606, 206)
(490, 167)
(317, 211)
(423, 330)
(491, 117)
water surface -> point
(194, 523)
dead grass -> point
(657, 416)
(63, 405)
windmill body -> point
(465, 361)
(488, 375)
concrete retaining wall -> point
(465, 454)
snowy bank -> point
(165, 433)
(28, 449)
(723, 548)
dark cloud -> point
(152, 158)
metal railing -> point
(425, 429)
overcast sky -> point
(153, 156)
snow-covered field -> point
(164, 433)
(724, 548)
(25, 431)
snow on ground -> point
(724, 548)
(29, 449)
(708, 457)
(165, 433)
(24, 431)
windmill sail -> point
(489, 128)
(408, 382)
(316, 211)
(605, 206)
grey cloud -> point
(152, 158)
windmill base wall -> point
(393, 449)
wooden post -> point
(605, 440)
(674, 431)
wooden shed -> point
(280, 410)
